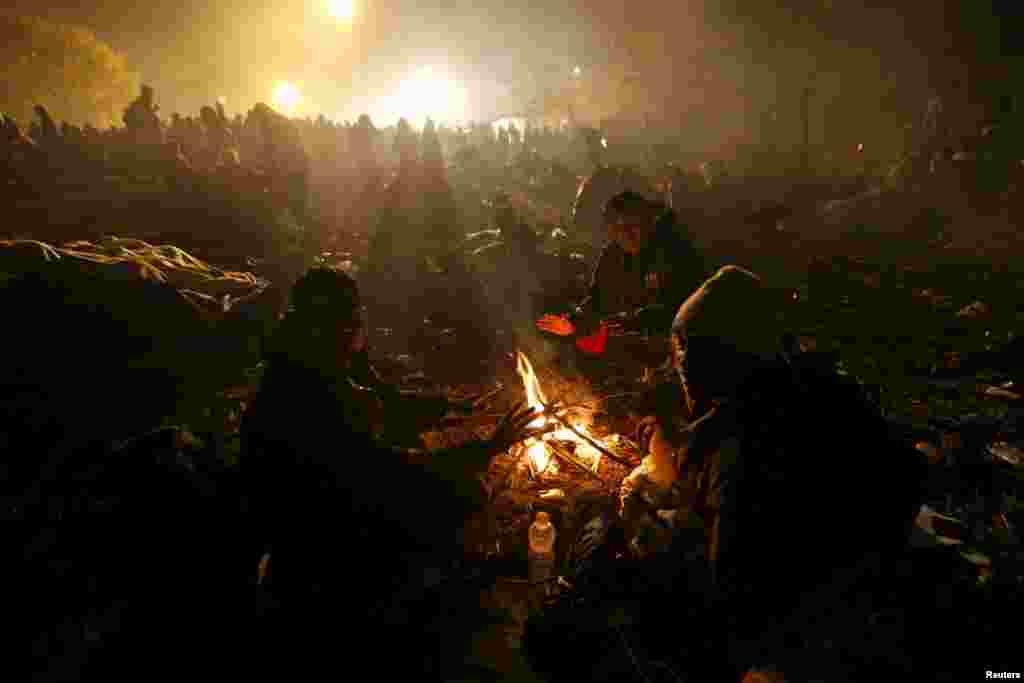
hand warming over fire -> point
(654, 438)
(556, 324)
(515, 427)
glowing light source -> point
(286, 97)
(342, 10)
(426, 94)
(536, 449)
(535, 399)
(577, 71)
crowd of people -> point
(311, 154)
(357, 534)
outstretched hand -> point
(515, 427)
(556, 324)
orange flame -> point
(536, 449)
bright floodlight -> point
(426, 94)
(577, 71)
(342, 10)
(286, 97)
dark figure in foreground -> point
(358, 533)
(748, 522)
(644, 273)
(143, 557)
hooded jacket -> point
(791, 471)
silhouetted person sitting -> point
(310, 461)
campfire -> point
(569, 442)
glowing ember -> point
(537, 449)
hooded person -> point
(742, 494)
(778, 411)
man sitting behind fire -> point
(737, 511)
(348, 523)
(647, 269)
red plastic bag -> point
(595, 344)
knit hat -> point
(735, 307)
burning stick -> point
(533, 471)
(549, 410)
(563, 454)
(517, 453)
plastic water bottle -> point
(262, 569)
(542, 550)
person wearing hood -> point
(779, 411)
(645, 272)
(737, 507)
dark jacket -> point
(620, 281)
(322, 487)
(787, 486)
(797, 478)
(359, 534)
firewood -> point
(549, 410)
(564, 455)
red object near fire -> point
(594, 344)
